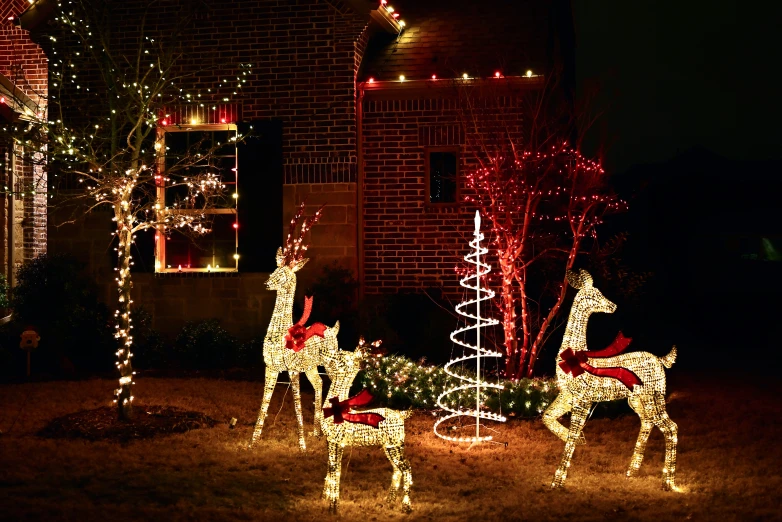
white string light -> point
(579, 389)
(481, 294)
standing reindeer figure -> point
(585, 377)
(376, 427)
(290, 347)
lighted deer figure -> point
(586, 377)
(290, 347)
(375, 427)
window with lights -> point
(196, 150)
(442, 175)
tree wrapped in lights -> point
(586, 376)
(473, 385)
(542, 199)
(98, 135)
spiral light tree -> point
(472, 351)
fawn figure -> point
(375, 427)
(290, 347)
(585, 377)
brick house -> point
(335, 123)
(23, 87)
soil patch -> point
(148, 422)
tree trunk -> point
(124, 396)
(508, 318)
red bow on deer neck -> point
(298, 334)
(575, 363)
(340, 410)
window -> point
(216, 251)
(442, 175)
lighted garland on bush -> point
(399, 382)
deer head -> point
(588, 299)
(290, 258)
(343, 366)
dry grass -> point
(729, 463)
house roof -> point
(448, 38)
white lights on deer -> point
(585, 377)
(373, 427)
(476, 385)
(290, 347)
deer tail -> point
(335, 328)
(406, 414)
(669, 359)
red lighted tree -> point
(542, 199)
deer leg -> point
(331, 488)
(554, 412)
(577, 420)
(268, 389)
(638, 405)
(297, 406)
(317, 383)
(671, 432)
(396, 478)
(402, 476)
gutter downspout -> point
(360, 191)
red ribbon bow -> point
(340, 410)
(575, 362)
(298, 334)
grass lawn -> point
(728, 466)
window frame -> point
(160, 242)
(428, 150)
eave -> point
(16, 101)
(35, 15)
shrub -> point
(61, 302)
(206, 345)
(3, 292)
(398, 382)
(150, 349)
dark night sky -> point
(675, 74)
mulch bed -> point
(103, 424)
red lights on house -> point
(371, 80)
(236, 225)
(497, 74)
(164, 122)
(434, 77)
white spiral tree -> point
(472, 351)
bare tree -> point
(99, 134)
(541, 197)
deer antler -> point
(294, 249)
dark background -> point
(690, 131)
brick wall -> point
(334, 239)
(24, 63)
(407, 244)
(305, 56)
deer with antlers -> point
(290, 347)
(585, 377)
(374, 427)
